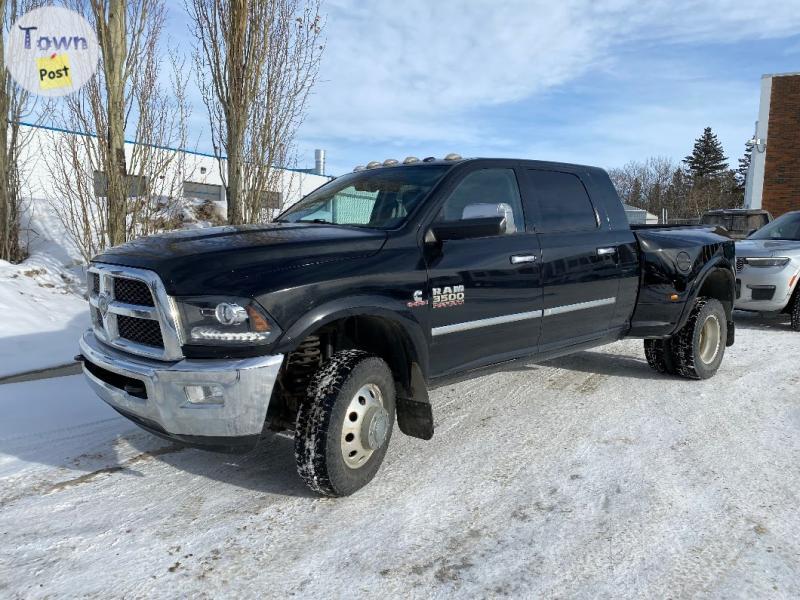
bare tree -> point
(103, 193)
(111, 22)
(257, 61)
(16, 103)
(659, 183)
(644, 184)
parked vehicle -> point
(768, 268)
(739, 222)
(339, 317)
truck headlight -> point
(215, 320)
(767, 262)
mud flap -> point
(415, 415)
(415, 418)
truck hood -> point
(207, 260)
(767, 248)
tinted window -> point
(381, 198)
(486, 193)
(786, 227)
(562, 202)
(739, 223)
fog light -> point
(204, 394)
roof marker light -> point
(410, 160)
(373, 164)
(453, 156)
(358, 168)
(429, 159)
(390, 162)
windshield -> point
(382, 198)
(786, 227)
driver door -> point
(485, 293)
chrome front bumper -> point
(246, 388)
(753, 280)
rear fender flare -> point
(718, 263)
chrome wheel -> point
(366, 423)
(709, 340)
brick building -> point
(773, 182)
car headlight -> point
(767, 262)
(215, 320)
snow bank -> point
(42, 298)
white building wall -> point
(41, 144)
(755, 175)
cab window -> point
(486, 193)
(562, 202)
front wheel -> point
(344, 423)
(700, 345)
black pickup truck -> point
(337, 318)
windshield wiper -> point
(305, 221)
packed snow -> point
(587, 476)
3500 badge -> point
(448, 296)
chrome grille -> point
(141, 331)
(97, 319)
(132, 291)
(132, 311)
(739, 264)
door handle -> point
(606, 251)
(517, 259)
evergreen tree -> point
(744, 166)
(707, 158)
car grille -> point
(739, 264)
(132, 291)
(131, 310)
(141, 331)
(97, 319)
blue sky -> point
(579, 81)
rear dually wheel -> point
(700, 345)
(697, 349)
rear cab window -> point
(559, 202)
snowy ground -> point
(587, 476)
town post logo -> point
(51, 51)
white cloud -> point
(416, 71)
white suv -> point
(768, 269)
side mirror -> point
(466, 229)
